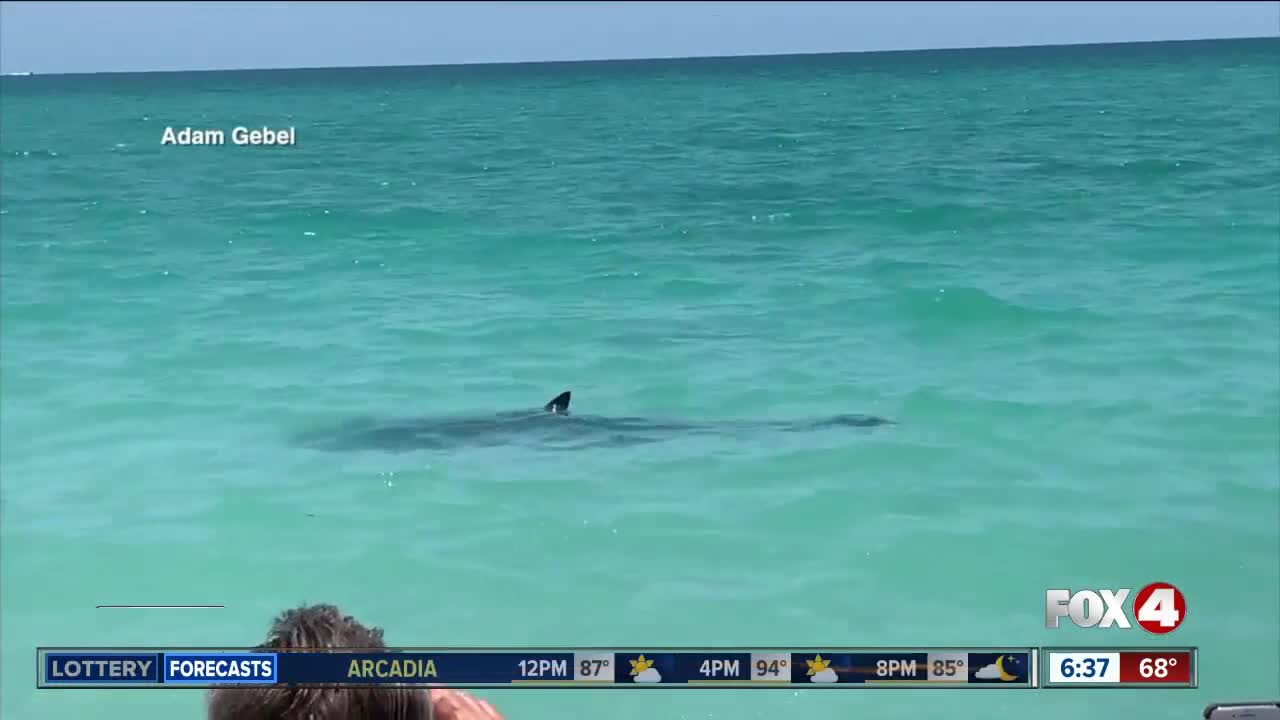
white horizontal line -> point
(161, 607)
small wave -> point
(38, 153)
(955, 310)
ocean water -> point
(1057, 269)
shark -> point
(551, 426)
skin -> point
(458, 705)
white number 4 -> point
(1159, 607)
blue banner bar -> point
(96, 668)
(195, 668)
(942, 667)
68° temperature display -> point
(1121, 667)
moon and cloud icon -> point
(820, 671)
(642, 671)
(1006, 668)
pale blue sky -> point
(128, 36)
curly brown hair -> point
(319, 627)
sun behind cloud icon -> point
(825, 676)
(820, 671)
(642, 671)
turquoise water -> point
(1057, 269)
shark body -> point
(550, 426)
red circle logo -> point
(1160, 608)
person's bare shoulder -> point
(458, 705)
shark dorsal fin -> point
(559, 405)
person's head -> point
(320, 627)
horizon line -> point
(652, 58)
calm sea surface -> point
(1056, 269)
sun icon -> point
(639, 666)
(817, 665)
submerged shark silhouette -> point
(552, 426)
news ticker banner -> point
(611, 668)
(560, 668)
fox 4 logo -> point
(1159, 608)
